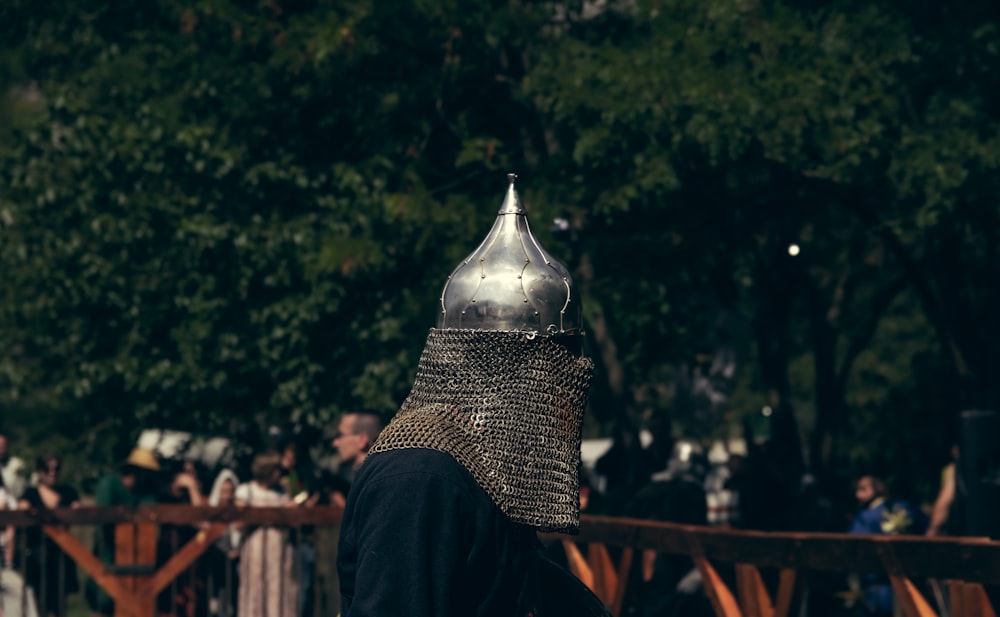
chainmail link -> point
(509, 408)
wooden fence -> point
(963, 565)
(611, 545)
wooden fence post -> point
(135, 557)
(754, 599)
(969, 600)
(789, 594)
(624, 572)
(723, 602)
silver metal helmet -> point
(510, 282)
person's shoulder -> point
(900, 504)
(399, 483)
(111, 477)
(411, 467)
(110, 481)
(865, 520)
(412, 461)
(109, 487)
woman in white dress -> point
(7, 502)
(16, 597)
(267, 586)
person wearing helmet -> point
(485, 451)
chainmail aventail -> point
(508, 406)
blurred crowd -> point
(766, 487)
(250, 571)
(270, 571)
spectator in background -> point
(15, 596)
(626, 469)
(267, 586)
(12, 469)
(184, 488)
(670, 584)
(356, 432)
(881, 514)
(134, 484)
(187, 593)
(946, 515)
(226, 556)
(300, 485)
(48, 570)
(722, 501)
(223, 493)
(7, 502)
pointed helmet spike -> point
(510, 282)
(511, 201)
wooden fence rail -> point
(963, 565)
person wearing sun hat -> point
(133, 484)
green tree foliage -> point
(218, 216)
(737, 129)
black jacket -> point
(420, 538)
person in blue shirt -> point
(881, 514)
